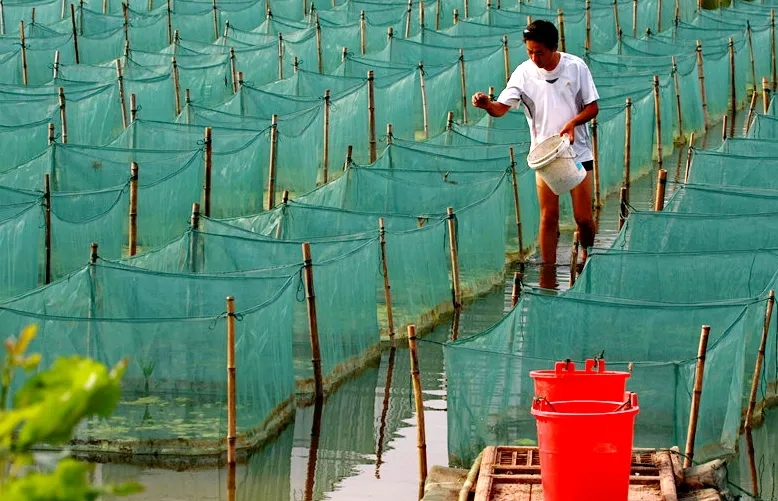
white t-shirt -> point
(552, 98)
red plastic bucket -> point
(592, 383)
(585, 448)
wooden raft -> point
(513, 473)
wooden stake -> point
(233, 71)
(133, 237)
(126, 24)
(456, 16)
(724, 128)
(516, 289)
(226, 30)
(208, 146)
(421, 19)
(658, 119)
(313, 326)
(318, 45)
(689, 157)
(295, 64)
(134, 108)
(385, 273)
(596, 166)
(281, 56)
(634, 18)
(463, 84)
(695, 410)
(347, 163)
(194, 223)
(661, 184)
(437, 16)
(344, 54)
(176, 87)
(627, 144)
(75, 32)
(466, 8)
(271, 177)
(732, 92)
(232, 432)
(371, 114)
(765, 95)
(47, 217)
(126, 49)
(617, 24)
(561, 22)
(93, 253)
(754, 388)
(424, 110)
(678, 100)
(659, 17)
(751, 57)
(325, 161)
(384, 410)
(63, 117)
(588, 39)
(623, 210)
(122, 101)
(750, 114)
(421, 437)
(215, 21)
(2, 18)
(452, 242)
(516, 207)
(24, 52)
(506, 57)
(772, 49)
(450, 121)
(51, 134)
(232, 483)
(169, 24)
(701, 77)
(408, 19)
(56, 65)
(362, 33)
(389, 34)
(313, 449)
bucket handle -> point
(542, 400)
(629, 403)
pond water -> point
(361, 444)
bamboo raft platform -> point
(513, 473)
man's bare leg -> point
(582, 211)
(549, 232)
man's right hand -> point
(481, 100)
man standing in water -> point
(558, 94)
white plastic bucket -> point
(553, 159)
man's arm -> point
(494, 108)
(587, 113)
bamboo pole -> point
(659, 17)
(456, 16)
(452, 242)
(313, 325)
(63, 117)
(56, 65)
(750, 114)
(661, 185)
(362, 33)
(169, 24)
(772, 49)
(450, 121)
(658, 119)
(122, 101)
(408, 19)
(421, 19)
(194, 223)
(751, 56)
(325, 161)
(233, 71)
(506, 57)
(437, 16)
(463, 84)
(634, 18)
(574, 257)
(387, 285)
(623, 210)
(466, 7)
(689, 157)
(724, 128)
(75, 32)
(732, 92)
(424, 110)
(754, 388)
(176, 87)
(695, 409)
(344, 54)
(765, 95)
(318, 45)
(588, 38)
(24, 52)
(295, 64)
(701, 77)
(2, 17)
(126, 23)
(371, 114)
(617, 24)
(188, 105)
(561, 22)
(421, 437)
(271, 177)
(208, 146)
(92, 312)
(133, 237)
(226, 30)
(134, 108)
(347, 163)
(51, 134)
(47, 218)
(679, 113)
(232, 432)
(313, 449)
(389, 34)
(215, 21)
(596, 164)
(627, 144)
(384, 411)
(516, 207)
(232, 483)
(516, 289)
(281, 56)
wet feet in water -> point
(548, 278)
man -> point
(559, 97)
